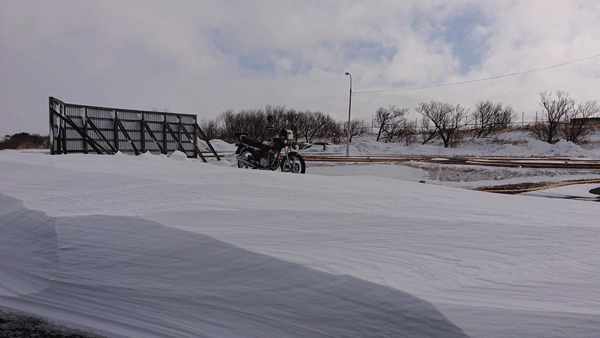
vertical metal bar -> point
(179, 132)
(143, 134)
(165, 144)
(196, 139)
(63, 129)
(51, 114)
(85, 131)
(116, 130)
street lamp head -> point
(347, 73)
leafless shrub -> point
(26, 141)
(554, 113)
(491, 117)
(447, 120)
(579, 126)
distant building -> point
(592, 120)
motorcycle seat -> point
(250, 142)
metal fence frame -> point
(78, 128)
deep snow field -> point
(156, 246)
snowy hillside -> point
(506, 144)
(152, 246)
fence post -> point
(143, 133)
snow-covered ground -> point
(156, 246)
(509, 144)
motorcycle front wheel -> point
(293, 164)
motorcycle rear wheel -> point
(293, 164)
(248, 155)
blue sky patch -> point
(459, 33)
(256, 62)
(260, 61)
(367, 50)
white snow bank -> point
(28, 247)
(513, 256)
(219, 146)
(130, 277)
(178, 155)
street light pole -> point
(349, 110)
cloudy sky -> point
(203, 57)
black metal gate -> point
(84, 129)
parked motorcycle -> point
(280, 151)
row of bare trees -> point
(561, 118)
(441, 120)
(306, 125)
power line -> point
(478, 80)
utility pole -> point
(349, 110)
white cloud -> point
(205, 57)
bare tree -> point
(555, 112)
(230, 123)
(309, 125)
(428, 132)
(255, 122)
(388, 121)
(357, 128)
(578, 125)
(293, 120)
(408, 132)
(252, 121)
(278, 115)
(448, 120)
(491, 117)
(334, 131)
(210, 129)
(314, 125)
